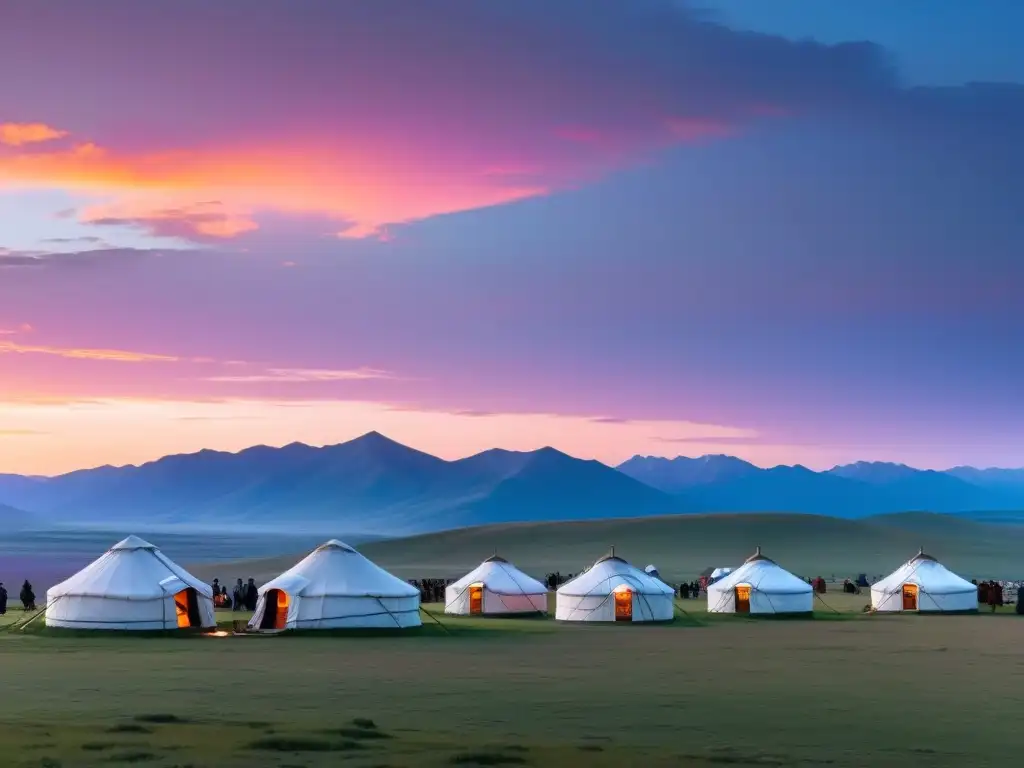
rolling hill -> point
(683, 545)
(12, 519)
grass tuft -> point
(101, 746)
(128, 728)
(161, 718)
(302, 744)
(360, 734)
(137, 756)
(486, 758)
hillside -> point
(12, 519)
(682, 546)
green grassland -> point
(843, 688)
(703, 691)
(683, 546)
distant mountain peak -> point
(874, 471)
(683, 472)
(373, 436)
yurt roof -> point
(920, 556)
(610, 572)
(335, 544)
(928, 574)
(758, 556)
(502, 578)
(132, 569)
(763, 575)
(334, 569)
(132, 542)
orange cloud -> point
(115, 355)
(18, 134)
(200, 221)
(363, 187)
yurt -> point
(613, 590)
(133, 586)
(335, 587)
(719, 573)
(652, 570)
(493, 588)
(924, 585)
(760, 586)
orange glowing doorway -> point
(623, 603)
(275, 610)
(910, 597)
(186, 608)
(476, 599)
(743, 599)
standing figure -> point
(28, 597)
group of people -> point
(990, 593)
(27, 597)
(243, 596)
(691, 589)
(556, 579)
(431, 590)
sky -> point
(615, 227)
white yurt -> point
(335, 587)
(613, 590)
(760, 586)
(133, 586)
(495, 587)
(923, 584)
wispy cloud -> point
(306, 375)
(21, 432)
(114, 355)
(18, 134)
(199, 221)
(87, 240)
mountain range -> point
(375, 485)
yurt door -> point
(623, 605)
(910, 597)
(281, 618)
(181, 608)
(476, 599)
(742, 599)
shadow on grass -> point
(302, 744)
(486, 758)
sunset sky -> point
(790, 231)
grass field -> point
(703, 691)
(683, 546)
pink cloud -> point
(455, 120)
